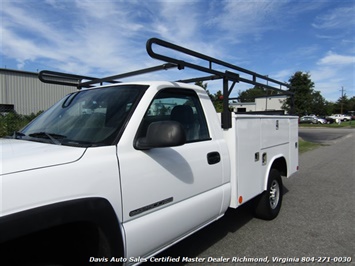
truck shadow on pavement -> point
(197, 243)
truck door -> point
(168, 193)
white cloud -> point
(283, 75)
(336, 18)
(328, 79)
(90, 44)
(107, 37)
(243, 18)
(333, 71)
(336, 59)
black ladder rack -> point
(87, 82)
(254, 78)
(231, 74)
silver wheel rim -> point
(274, 194)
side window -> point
(178, 105)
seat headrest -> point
(183, 114)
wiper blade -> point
(18, 134)
(53, 137)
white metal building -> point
(24, 93)
(268, 103)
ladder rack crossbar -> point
(232, 76)
(60, 78)
(199, 79)
(265, 86)
(114, 78)
(80, 81)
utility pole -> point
(267, 83)
(342, 100)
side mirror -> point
(162, 134)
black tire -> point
(268, 204)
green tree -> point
(319, 105)
(351, 104)
(302, 87)
(329, 108)
(11, 122)
(250, 94)
(202, 85)
(344, 104)
(217, 98)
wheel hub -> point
(274, 194)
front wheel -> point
(268, 205)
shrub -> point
(11, 122)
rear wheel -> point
(268, 205)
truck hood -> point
(21, 155)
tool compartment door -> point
(248, 158)
(244, 146)
(274, 131)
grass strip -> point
(305, 146)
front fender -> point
(97, 211)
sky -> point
(105, 37)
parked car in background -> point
(352, 115)
(329, 120)
(320, 120)
(308, 120)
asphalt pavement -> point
(315, 225)
(324, 135)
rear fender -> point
(277, 162)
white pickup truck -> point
(340, 117)
(117, 173)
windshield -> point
(86, 118)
